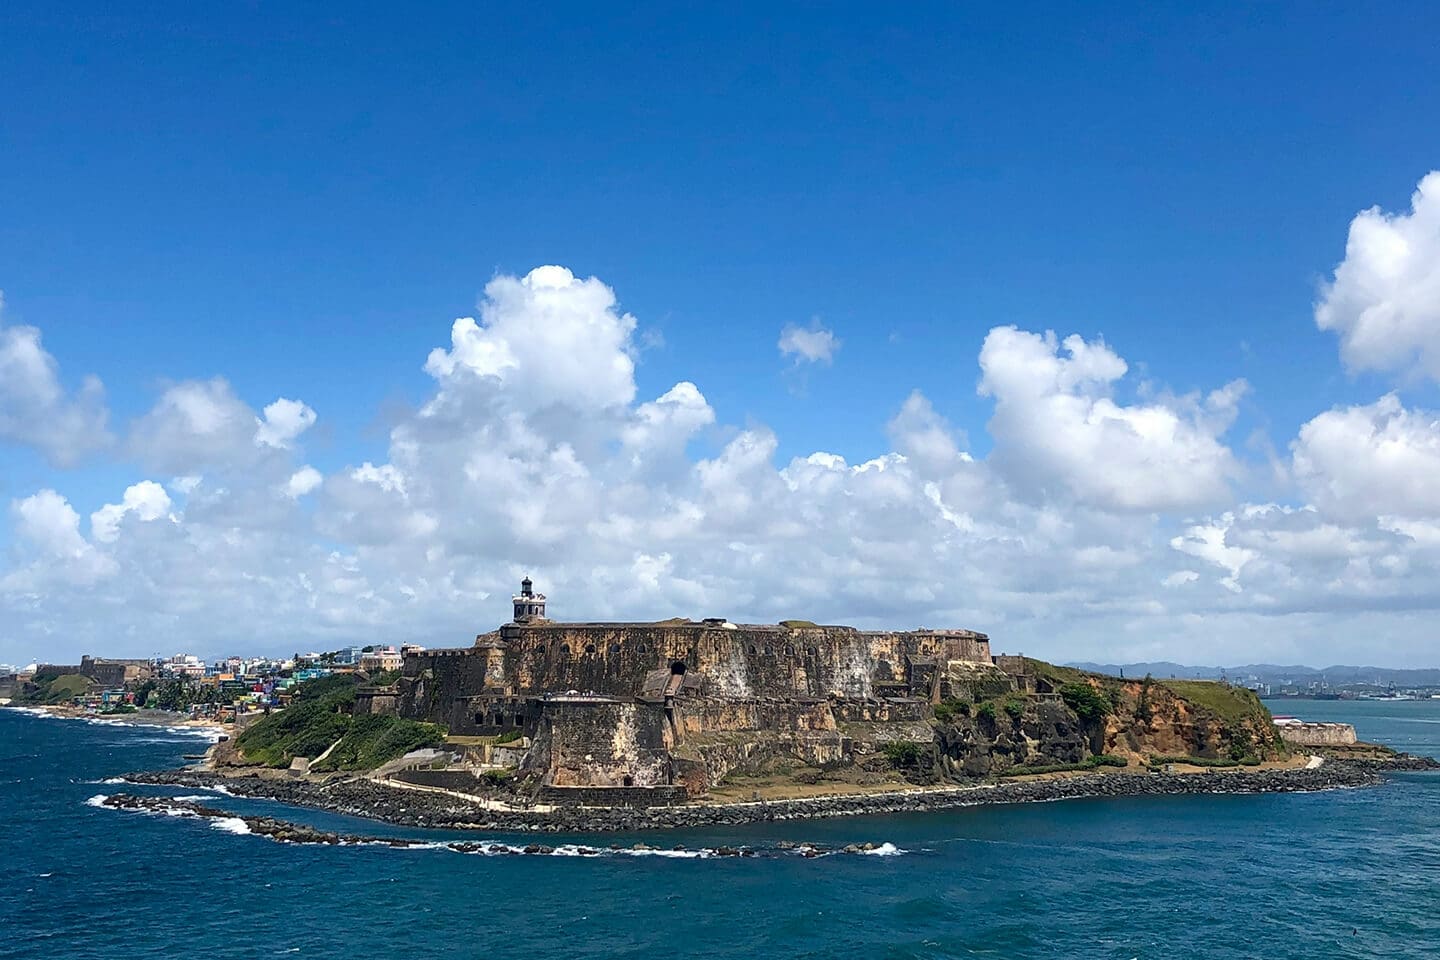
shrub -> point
(1089, 763)
(509, 736)
(904, 753)
(376, 739)
(1089, 705)
(986, 710)
(1015, 707)
(1195, 761)
(948, 710)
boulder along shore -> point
(419, 808)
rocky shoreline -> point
(416, 808)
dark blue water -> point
(1221, 877)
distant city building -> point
(184, 666)
(381, 659)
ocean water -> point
(1353, 873)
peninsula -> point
(542, 724)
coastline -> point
(412, 807)
(140, 718)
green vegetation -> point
(904, 753)
(318, 716)
(497, 778)
(1160, 761)
(53, 688)
(986, 710)
(1087, 702)
(1089, 763)
(340, 685)
(1014, 707)
(1055, 674)
(948, 710)
(799, 624)
(509, 736)
(383, 678)
(373, 740)
(1230, 704)
(117, 709)
(305, 729)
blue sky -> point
(301, 200)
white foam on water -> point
(673, 854)
(193, 798)
(886, 849)
(35, 712)
(112, 780)
(231, 825)
(98, 800)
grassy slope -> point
(1230, 704)
(319, 715)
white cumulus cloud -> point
(146, 500)
(36, 410)
(1384, 299)
(283, 421)
(1364, 461)
(812, 344)
(1057, 427)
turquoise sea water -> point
(1339, 874)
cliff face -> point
(1131, 720)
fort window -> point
(677, 669)
(628, 780)
(589, 648)
(614, 648)
(565, 649)
(753, 651)
(479, 719)
(768, 650)
(789, 650)
(641, 648)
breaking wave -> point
(231, 825)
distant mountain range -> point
(1273, 673)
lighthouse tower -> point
(529, 605)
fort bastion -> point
(676, 705)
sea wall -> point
(1303, 734)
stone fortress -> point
(597, 710)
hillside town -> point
(219, 691)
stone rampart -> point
(599, 742)
(1302, 734)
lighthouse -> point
(529, 605)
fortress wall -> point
(432, 681)
(696, 716)
(750, 661)
(881, 711)
(1317, 734)
(488, 716)
(601, 744)
(372, 700)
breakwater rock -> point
(284, 831)
(417, 808)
